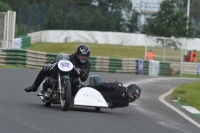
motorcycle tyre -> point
(66, 84)
(97, 109)
(47, 104)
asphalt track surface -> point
(22, 112)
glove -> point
(82, 71)
(120, 85)
(81, 86)
(47, 67)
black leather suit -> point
(84, 72)
(112, 93)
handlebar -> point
(76, 70)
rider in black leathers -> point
(116, 95)
(80, 59)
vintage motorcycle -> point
(56, 88)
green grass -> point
(117, 51)
(188, 76)
(190, 94)
(114, 51)
(11, 66)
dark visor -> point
(82, 56)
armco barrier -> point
(93, 64)
(101, 64)
(26, 58)
(187, 67)
(129, 65)
(139, 66)
(115, 65)
(16, 57)
(33, 59)
(164, 69)
(35, 36)
(146, 68)
(2, 57)
(26, 40)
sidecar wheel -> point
(97, 109)
(48, 104)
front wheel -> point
(65, 96)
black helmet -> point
(135, 90)
(82, 53)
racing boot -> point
(42, 74)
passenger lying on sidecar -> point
(109, 95)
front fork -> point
(59, 82)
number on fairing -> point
(65, 65)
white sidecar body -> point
(89, 97)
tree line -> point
(104, 15)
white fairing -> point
(65, 65)
(88, 96)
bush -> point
(4, 7)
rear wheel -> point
(48, 104)
(65, 96)
(97, 109)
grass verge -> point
(114, 51)
(188, 76)
(108, 50)
(189, 94)
(11, 66)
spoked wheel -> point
(65, 96)
(97, 109)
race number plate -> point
(65, 65)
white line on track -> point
(162, 99)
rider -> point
(80, 59)
(116, 94)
